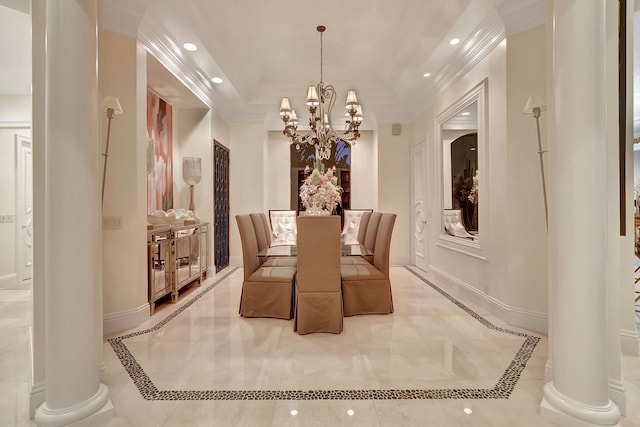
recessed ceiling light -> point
(190, 47)
(294, 412)
(217, 80)
(465, 113)
(454, 42)
(468, 411)
(426, 75)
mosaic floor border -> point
(501, 390)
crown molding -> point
(165, 49)
(122, 17)
(483, 40)
(518, 17)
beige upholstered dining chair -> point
(263, 238)
(266, 291)
(366, 288)
(318, 302)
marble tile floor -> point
(435, 362)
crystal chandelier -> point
(320, 100)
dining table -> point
(292, 251)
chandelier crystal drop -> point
(320, 100)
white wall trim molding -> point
(37, 396)
(630, 342)
(183, 68)
(8, 281)
(486, 37)
(15, 124)
(618, 395)
(516, 316)
(122, 17)
(518, 19)
(123, 320)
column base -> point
(560, 409)
(94, 412)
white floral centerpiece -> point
(320, 193)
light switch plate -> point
(111, 222)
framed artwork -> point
(160, 175)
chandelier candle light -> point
(320, 100)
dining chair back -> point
(318, 306)
(362, 229)
(283, 227)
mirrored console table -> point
(177, 256)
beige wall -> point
(394, 187)
(527, 236)
(192, 138)
(124, 250)
(247, 179)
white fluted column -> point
(578, 394)
(74, 394)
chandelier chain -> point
(321, 79)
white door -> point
(419, 214)
(24, 209)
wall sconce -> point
(192, 174)
(111, 106)
(535, 105)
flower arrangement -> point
(473, 194)
(320, 192)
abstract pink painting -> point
(159, 132)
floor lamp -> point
(191, 173)
(111, 106)
(535, 105)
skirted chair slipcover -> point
(318, 306)
(266, 291)
(366, 288)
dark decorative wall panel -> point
(221, 205)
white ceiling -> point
(265, 50)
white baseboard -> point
(516, 316)
(37, 396)
(618, 395)
(630, 342)
(121, 321)
(400, 260)
(9, 281)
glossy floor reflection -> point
(201, 352)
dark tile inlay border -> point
(502, 389)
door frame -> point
(23, 178)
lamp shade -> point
(533, 102)
(285, 107)
(191, 170)
(312, 96)
(351, 98)
(111, 102)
